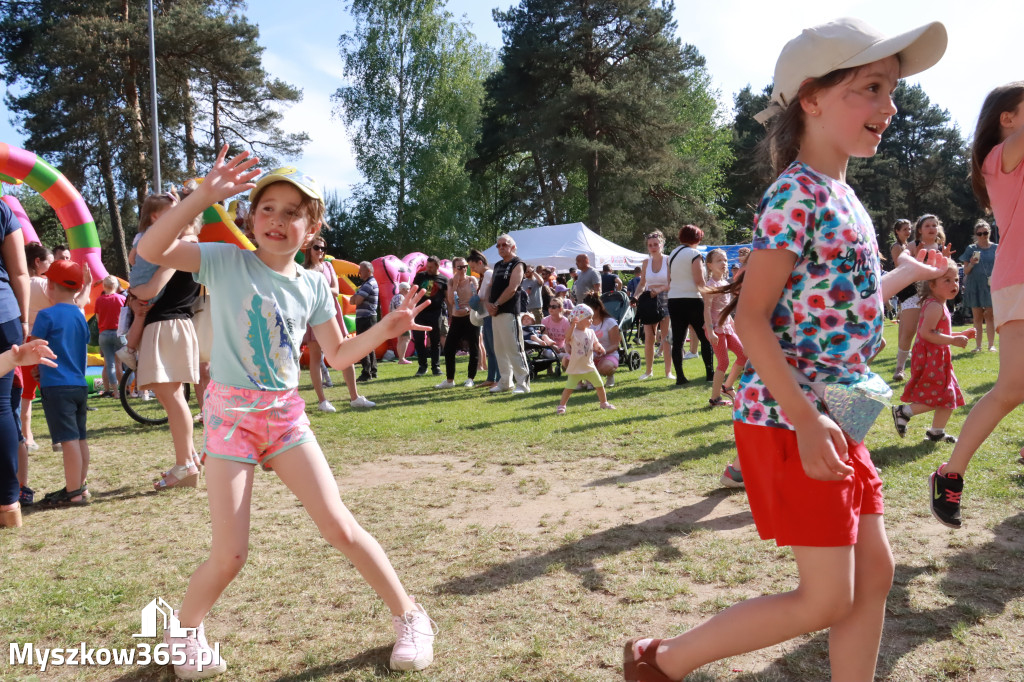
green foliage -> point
(600, 114)
(412, 109)
(748, 175)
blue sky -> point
(740, 39)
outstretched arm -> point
(926, 265)
(341, 352)
(161, 245)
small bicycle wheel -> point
(140, 408)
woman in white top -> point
(928, 235)
(478, 266)
(685, 305)
(652, 302)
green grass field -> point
(539, 543)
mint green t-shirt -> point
(259, 317)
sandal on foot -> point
(900, 419)
(940, 437)
(63, 498)
(11, 518)
(718, 402)
(729, 392)
(644, 668)
(607, 406)
(178, 477)
(560, 410)
(197, 462)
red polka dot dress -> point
(932, 381)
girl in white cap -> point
(253, 415)
(812, 311)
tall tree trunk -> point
(107, 172)
(545, 191)
(400, 228)
(131, 87)
(594, 193)
(218, 140)
(191, 163)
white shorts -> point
(1008, 304)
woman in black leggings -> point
(685, 305)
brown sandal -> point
(642, 669)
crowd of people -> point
(802, 315)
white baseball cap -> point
(843, 44)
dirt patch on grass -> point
(558, 497)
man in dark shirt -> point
(436, 287)
(609, 280)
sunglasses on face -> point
(460, 267)
(981, 234)
(318, 247)
(554, 307)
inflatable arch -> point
(65, 200)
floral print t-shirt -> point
(829, 318)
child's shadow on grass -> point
(979, 582)
(718, 450)
(579, 557)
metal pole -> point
(152, 83)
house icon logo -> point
(156, 609)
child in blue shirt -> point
(64, 389)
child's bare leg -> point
(565, 397)
(734, 374)
(853, 641)
(602, 395)
(26, 420)
(23, 463)
(83, 446)
(941, 418)
(349, 375)
(72, 466)
(1007, 394)
(229, 517)
(306, 473)
(315, 356)
(134, 336)
(824, 596)
(920, 408)
(716, 384)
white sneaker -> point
(147, 395)
(670, 375)
(201, 661)
(689, 356)
(611, 381)
(521, 389)
(325, 406)
(361, 401)
(498, 388)
(469, 383)
(646, 375)
(414, 640)
(445, 384)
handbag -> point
(853, 407)
(647, 308)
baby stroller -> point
(539, 357)
(617, 305)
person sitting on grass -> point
(582, 344)
(64, 389)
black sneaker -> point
(421, 372)
(945, 497)
(437, 372)
(363, 377)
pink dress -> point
(932, 381)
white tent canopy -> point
(558, 245)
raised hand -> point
(229, 176)
(403, 318)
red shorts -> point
(794, 509)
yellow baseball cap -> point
(306, 184)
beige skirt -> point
(168, 353)
(1008, 304)
(203, 323)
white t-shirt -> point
(681, 283)
(602, 332)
